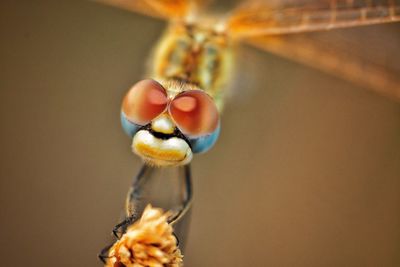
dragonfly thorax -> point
(193, 55)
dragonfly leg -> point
(120, 228)
(188, 197)
(134, 193)
(103, 255)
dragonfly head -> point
(169, 124)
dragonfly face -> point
(169, 121)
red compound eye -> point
(194, 112)
(144, 101)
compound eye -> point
(144, 101)
(195, 113)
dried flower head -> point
(147, 242)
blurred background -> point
(306, 171)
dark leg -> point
(188, 196)
(120, 228)
(134, 197)
(103, 255)
(177, 239)
(133, 193)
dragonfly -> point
(175, 111)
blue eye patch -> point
(129, 127)
(204, 143)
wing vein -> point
(259, 19)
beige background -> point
(306, 172)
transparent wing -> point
(368, 57)
(255, 18)
(165, 9)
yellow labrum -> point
(161, 152)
